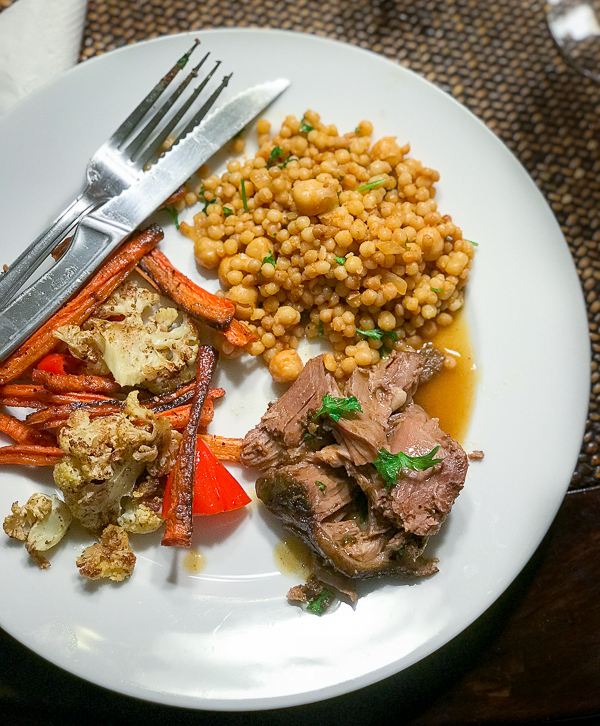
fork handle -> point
(28, 261)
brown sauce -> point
(293, 557)
(450, 395)
(194, 562)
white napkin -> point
(39, 39)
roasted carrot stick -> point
(179, 514)
(180, 415)
(69, 383)
(75, 312)
(30, 454)
(166, 401)
(32, 396)
(52, 417)
(177, 196)
(210, 309)
(26, 391)
(223, 448)
(22, 433)
(239, 334)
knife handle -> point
(93, 241)
(28, 261)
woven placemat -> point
(495, 57)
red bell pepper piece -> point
(215, 489)
(59, 363)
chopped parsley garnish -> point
(173, 214)
(227, 212)
(437, 289)
(305, 127)
(475, 244)
(319, 604)
(378, 333)
(274, 155)
(370, 185)
(384, 351)
(269, 259)
(321, 329)
(244, 200)
(338, 407)
(202, 198)
(321, 486)
(340, 260)
(287, 161)
(389, 465)
(239, 134)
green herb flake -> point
(475, 244)
(173, 214)
(269, 259)
(319, 604)
(321, 329)
(340, 260)
(338, 407)
(305, 127)
(389, 465)
(182, 62)
(244, 200)
(384, 352)
(371, 185)
(437, 289)
(239, 134)
(274, 155)
(227, 212)
(287, 161)
(307, 435)
(321, 486)
(378, 333)
(202, 198)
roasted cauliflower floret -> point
(138, 518)
(112, 557)
(138, 347)
(41, 523)
(104, 457)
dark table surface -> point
(534, 656)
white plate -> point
(226, 638)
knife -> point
(101, 232)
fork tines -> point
(147, 144)
(142, 109)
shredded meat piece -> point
(307, 592)
(476, 455)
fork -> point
(114, 167)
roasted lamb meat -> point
(321, 474)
